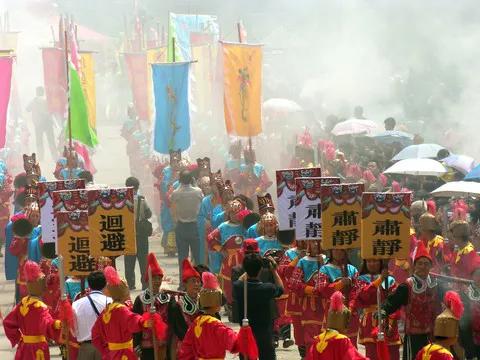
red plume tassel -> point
(158, 323)
(247, 345)
(453, 301)
(382, 346)
(66, 314)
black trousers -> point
(186, 236)
(413, 344)
(130, 261)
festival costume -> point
(463, 258)
(253, 178)
(434, 352)
(205, 226)
(365, 303)
(435, 245)
(166, 221)
(30, 325)
(331, 344)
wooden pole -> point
(63, 297)
(67, 76)
(173, 49)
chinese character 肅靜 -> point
(312, 230)
(314, 211)
(386, 247)
(345, 218)
(387, 227)
(345, 237)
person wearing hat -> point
(464, 255)
(253, 179)
(331, 343)
(265, 205)
(142, 340)
(304, 283)
(433, 242)
(29, 326)
(445, 331)
(207, 337)
(268, 229)
(419, 295)
(112, 333)
(470, 321)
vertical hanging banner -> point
(137, 70)
(286, 194)
(70, 200)
(154, 56)
(46, 191)
(9, 40)
(385, 225)
(180, 28)
(202, 75)
(242, 97)
(74, 243)
(111, 222)
(6, 63)
(172, 114)
(341, 216)
(54, 80)
(87, 79)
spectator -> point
(390, 124)
(143, 231)
(259, 301)
(185, 205)
(86, 311)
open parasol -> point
(422, 151)
(419, 167)
(457, 189)
(461, 163)
(354, 126)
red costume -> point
(30, 325)
(331, 345)
(462, 260)
(434, 352)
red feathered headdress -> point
(396, 186)
(459, 210)
(336, 302)
(112, 277)
(453, 301)
(209, 281)
(32, 271)
(188, 271)
(152, 263)
(431, 207)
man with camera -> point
(260, 297)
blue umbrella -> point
(473, 175)
(392, 136)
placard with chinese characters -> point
(70, 200)
(74, 243)
(45, 190)
(286, 194)
(112, 222)
(341, 216)
(308, 209)
(385, 225)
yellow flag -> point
(242, 71)
(154, 56)
(87, 79)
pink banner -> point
(138, 77)
(55, 80)
(5, 83)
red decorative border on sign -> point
(110, 199)
(286, 177)
(46, 188)
(75, 220)
(308, 187)
(70, 200)
(341, 194)
(382, 203)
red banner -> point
(5, 83)
(138, 77)
(54, 80)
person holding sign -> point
(371, 278)
(341, 276)
(420, 297)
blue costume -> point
(218, 218)
(206, 213)
(310, 266)
(367, 278)
(165, 213)
(252, 231)
(335, 273)
(265, 243)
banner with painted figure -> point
(46, 191)
(154, 56)
(70, 200)
(180, 28)
(6, 63)
(111, 222)
(87, 79)
(286, 194)
(54, 80)
(74, 243)
(137, 71)
(242, 97)
(341, 216)
(172, 114)
(385, 225)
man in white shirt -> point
(86, 310)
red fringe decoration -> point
(158, 323)
(66, 314)
(32, 271)
(112, 276)
(382, 347)
(210, 281)
(431, 207)
(453, 301)
(247, 345)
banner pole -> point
(69, 118)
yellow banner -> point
(74, 243)
(242, 71)
(154, 56)
(112, 222)
(341, 216)
(87, 78)
(385, 225)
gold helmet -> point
(210, 296)
(459, 229)
(339, 315)
(428, 222)
(446, 324)
(117, 288)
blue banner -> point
(172, 114)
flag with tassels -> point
(247, 345)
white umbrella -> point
(462, 163)
(279, 105)
(458, 188)
(421, 167)
(354, 126)
(418, 151)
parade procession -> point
(295, 180)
